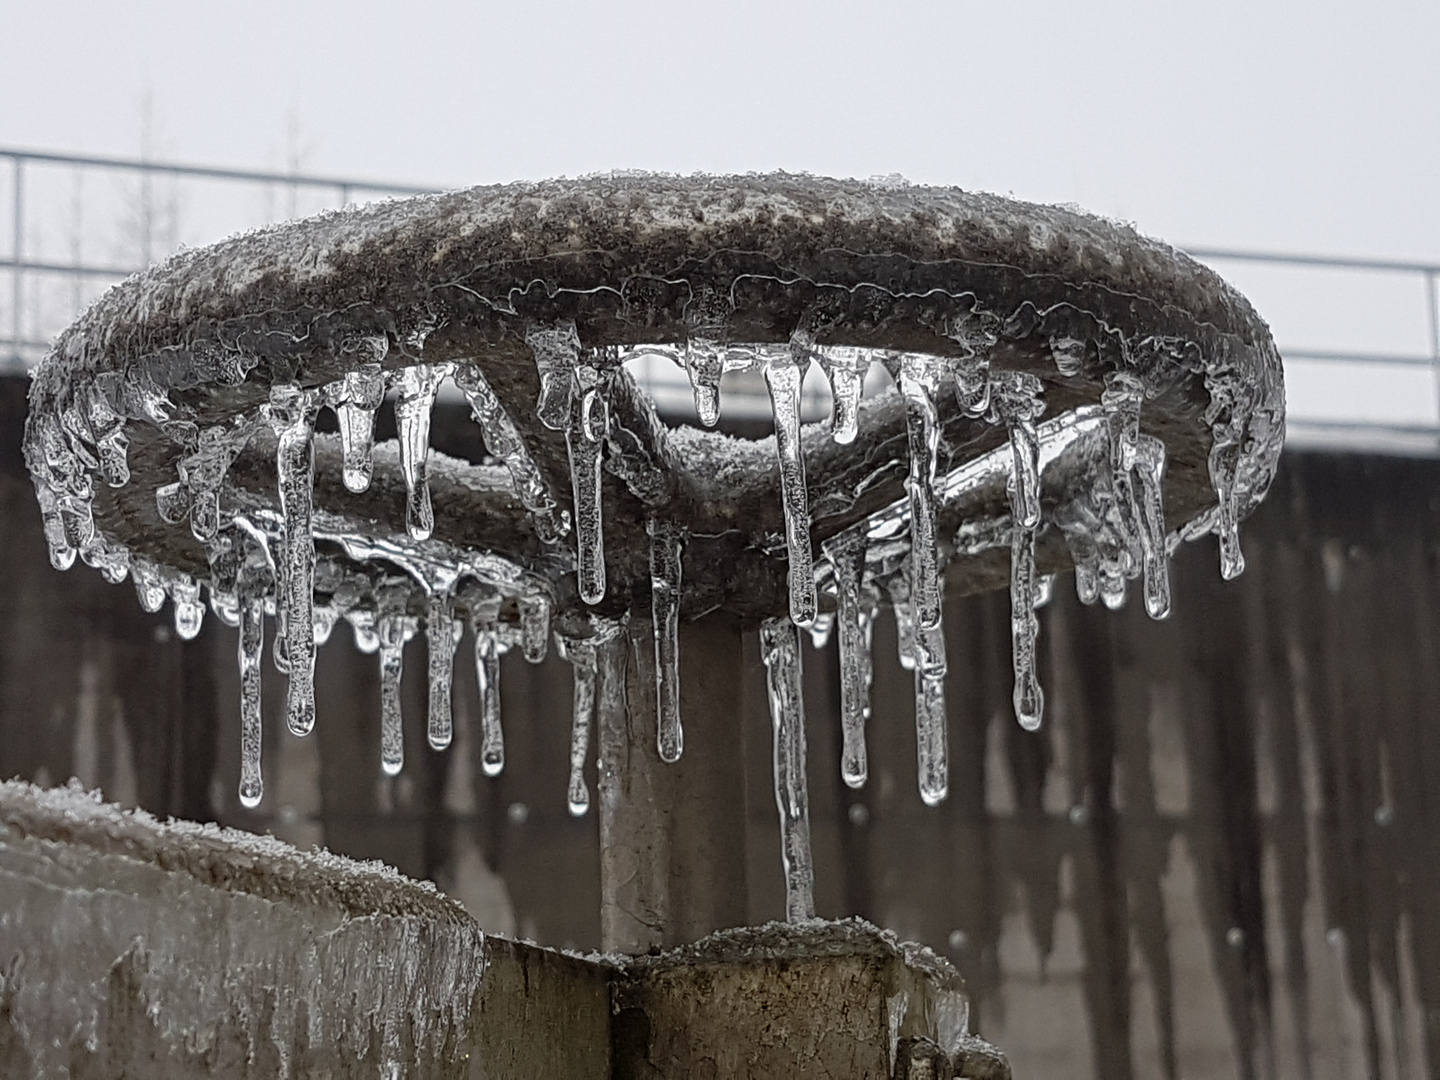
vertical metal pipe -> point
(1432, 318)
(17, 276)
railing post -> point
(1432, 319)
(17, 279)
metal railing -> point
(28, 266)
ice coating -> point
(666, 547)
(581, 654)
(484, 608)
(585, 440)
(855, 618)
(1016, 402)
(503, 440)
(292, 413)
(355, 399)
(416, 388)
(920, 379)
(780, 651)
(784, 370)
(440, 636)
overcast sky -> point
(1293, 126)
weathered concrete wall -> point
(1217, 859)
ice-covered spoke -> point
(292, 413)
(855, 618)
(392, 624)
(705, 363)
(355, 399)
(1017, 403)
(666, 548)
(585, 439)
(484, 610)
(416, 388)
(556, 350)
(920, 378)
(1150, 469)
(780, 650)
(440, 640)
(1028, 698)
(784, 370)
(581, 654)
(534, 611)
(846, 367)
(503, 441)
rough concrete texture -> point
(811, 1000)
(132, 948)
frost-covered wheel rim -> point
(1062, 391)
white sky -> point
(1308, 127)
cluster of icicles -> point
(264, 562)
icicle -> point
(172, 503)
(62, 555)
(416, 389)
(1150, 468)
(846, 367)
(440, 639)
(111, 443)
(189, 611)
(932, 737)
(503, 441)
(1044, 590)
(585, 439)
(355, 398)
(666, 544)
(972, 385)
(1017, 403)
(582, 659)
(484, 626)
(556, 351)
(1029, 700)
(821, 628)
(149, 586)
(391, 624)
(255, 578)
(292, 412)
(534, 625)
(1112, 585)
(780, 650)
(203, 472)
(784, 371)
(1068, 354)
(847, 557)
(363, 626)
(919, 383)
(705, 363)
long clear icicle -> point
(440, 640)
(355, 399)
(919, 382)
(780, 650)
(292, 413)
(391, 625)
(1150, 469)
(784, 371)
(253, 582)
(485, 626)
(932, 737)
(416, 389)
(847, 557)
(582, 660)
(502, 440)
(1028, 698)
(585, 438)
(666, 545)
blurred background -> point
(1221, 857)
